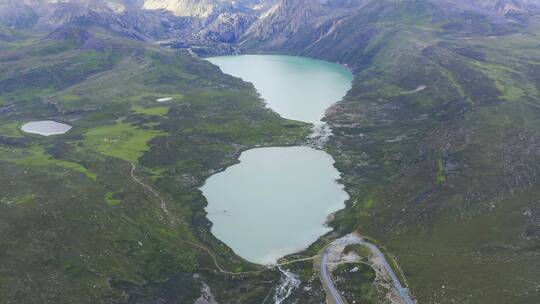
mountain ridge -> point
(220, 21)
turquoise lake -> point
(276, 201)
(295, 87)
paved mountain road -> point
(334, 294)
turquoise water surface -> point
(276, 200)
(295, 87)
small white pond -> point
(45, 128)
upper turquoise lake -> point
(276, 200)
(297, 88)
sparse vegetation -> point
(120, 140)
(357, 280)
(151, 111)
(441, 175)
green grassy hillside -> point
(438, 142)
(438, 146)
(77, 224)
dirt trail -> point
(172, 222)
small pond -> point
(45, 128)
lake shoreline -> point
(315, 140)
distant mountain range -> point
(272, 23)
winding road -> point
(327, 280)
(353, 239)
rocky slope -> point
(191, 22)
(256, 24)
(306, 26)
(200, 8)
